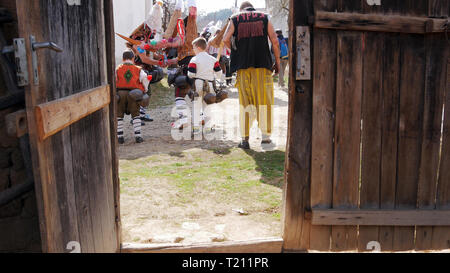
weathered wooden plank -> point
(320, 5)
(391, 99)
(413, 7)
(16, 124)
(105, 189)
(323, 132)
(252, 246)
(96, 177)
(349, 5)
(438, 8)
(29, 15)
(347, 134)
(381, 217)
(441, 235)
(63, 172)
(110, 51)
(54, 116)
(372, 131)
(379, 23)
(81, 171)
(298, 161)
(436, 66)
(410, 133)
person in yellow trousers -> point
(247, 37)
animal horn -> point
(131, 41)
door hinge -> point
(303, 51)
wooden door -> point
(69, 110)
(380, 163)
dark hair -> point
(246, 4)
(200, 42)
(128, 55)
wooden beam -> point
(52, 117)
(404, 218)
(381, 23)
(16, 124)
(254, 246)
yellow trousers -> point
(256, 98)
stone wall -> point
(19, 223)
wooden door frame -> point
(111, 68)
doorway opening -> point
(199, 191)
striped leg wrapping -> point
(142, 112)
(120, 127)
(137, 126)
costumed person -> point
(248, 37)
(208, 31)
(132, 87)
(150, 61)
(203, 69)
(223, 59)
(185, 53)
(284, 55)
(154, 20)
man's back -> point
(251, 45)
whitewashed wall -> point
(128, 14)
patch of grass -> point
(277, 216)
(232, 176)
(162, 94)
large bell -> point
(136, 95)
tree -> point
(168, 8)
(278, 8)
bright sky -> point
(215, 5)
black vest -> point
(250, 47)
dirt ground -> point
(159, 206)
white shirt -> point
(205, 67)
(143, 77)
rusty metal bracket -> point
(303, 69)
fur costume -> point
(191, 32)
(154, 20)
(173, 21)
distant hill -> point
(221, 15)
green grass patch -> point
(162, 94)
(222, 177)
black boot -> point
(139, 140)
(245, 145)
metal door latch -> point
(20, 55)
(49, 45)
(36, 46)
(20, 58)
